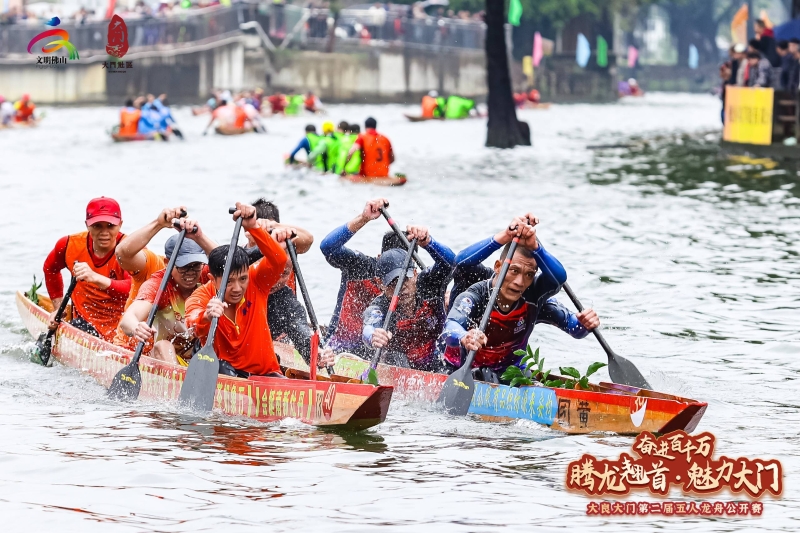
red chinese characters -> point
(675, 459)
(117, 37)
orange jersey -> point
(101, 308)
(152, 264)
(241, 118)
(129, 121)
(429, 105)
(246, 341)
(376, 153)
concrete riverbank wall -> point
(239, 61)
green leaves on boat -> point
(531, 369)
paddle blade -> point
(41, 351)
(126, 384)
(456, 395)
(623, 371)
(370, 377)
(200, 382)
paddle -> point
(200, 382)
(128, 381)
(457, 392)
(44, 344)
(370, 376)
(400, 234)
(309, 309)
(620, 369)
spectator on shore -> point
(738, 60)
(765, 41)
(759, 70)
(788, 64)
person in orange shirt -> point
(140, 262)
(99, 297)
(243, 341)
(129, 119)
(376, 150)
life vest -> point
(98, 307)
(295, 104)
(129, 121)
(313, 141)
(416, 336)
(504, 335)
(375, 157)
(311, 103)
(354, 166)
(430, 107)
(357, 296)
(334, 142)
(241, 118)
(458, 107)
(24, 111)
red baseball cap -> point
(103, 210)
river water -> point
(690, 259)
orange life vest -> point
(24, 112)
(241, 117)
(129, 121)
(101, 309)
(429, 105)
(376, 156)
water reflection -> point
(693, 165)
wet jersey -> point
(414, 337)
(507, 331)
(356, 290)
(376, 154)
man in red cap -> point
(99, 297)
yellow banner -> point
(748, 115)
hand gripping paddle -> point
(369, 375)
(128, 381)
(311, 315)
(44, 344)
(200, 383)
(457, 392)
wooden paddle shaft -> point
(400, 234)
(224, 285)
(393, 305)
(510, 249)
(161, 288)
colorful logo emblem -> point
(62, 40)
(117, 37)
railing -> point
(286, 25)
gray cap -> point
(390, 266)
(190, 252)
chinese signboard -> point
(748, 115)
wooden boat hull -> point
(131, 138)
(607, 407)
(418, 118)
(321, 403)
(388, 181)
(232, 131)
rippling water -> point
(690, 258)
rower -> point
(99, 298)
(376, 151)
(229, 116)
(243, 341)
(129, 119)
(141, 262)
(346, 141)
(174, 342)
(420, 314)
(149, 119)
(311, 103)
(7, 112)
(309, 143)
(458, 107)
(525, 299)
(327, 149)
(24, 109)
(285, 315)
(433, 105)
(357, 287)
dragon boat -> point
(338, 402)
(605, 407)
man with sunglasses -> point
(169, 339)
(525, 299)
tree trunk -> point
(503, 128)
